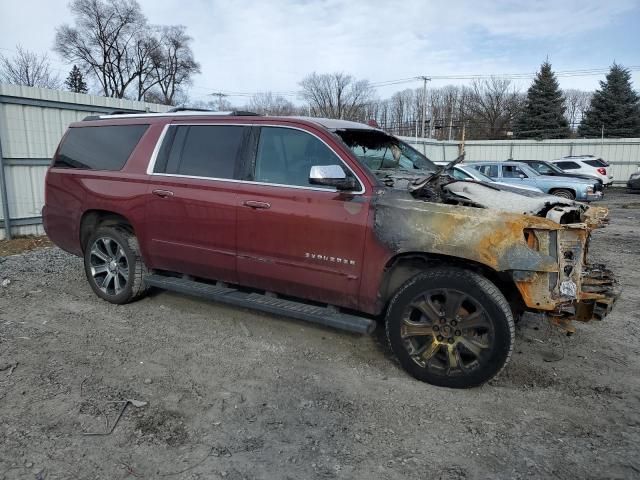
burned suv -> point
(327, 221)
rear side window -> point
(488, 170)
(99, 148)
(211, 151)
(512, 171)
(568, 165)
(595, 163)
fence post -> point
(5, 197)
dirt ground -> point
(239, 395)
(22, 244)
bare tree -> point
(28, 68)
(336, 95)
(491, 107)
(103, 41)
(269, 104)
(174, 64)
(576, 102)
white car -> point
(464, 172)
(586, 165)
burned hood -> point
(442, 188)
(560, 210)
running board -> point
(277, 306)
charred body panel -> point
(545, 259)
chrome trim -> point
(156, 151)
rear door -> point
(191, 201)
(296, 238)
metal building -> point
(32, 121)
(623, 154)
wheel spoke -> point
(427, 309)
(452, 358)
(99, 269)
(474, 320)
(95, 251)
(412, 329)
(116, 283)
(121, 256)
(430, 350)
(453, 302)
(124, 272)
(473, 346)
(107, 281)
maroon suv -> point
(328, 221)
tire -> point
(435, 343)
(564, 193)
(109, 244)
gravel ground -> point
(239, 395)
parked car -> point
(465, 172)
(327, 221)
(586, 165)
(634, 181)
(517, 173)
(548, 168)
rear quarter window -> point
(595, 163)
(568, 165)
(98, 148)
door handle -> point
(163, 193)
(256, 204)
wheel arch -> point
(404, 266)
(573, 191)
(92, 219)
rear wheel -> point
(450, 327)
(113, 265)
(564, 193)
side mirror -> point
(331, 176)
(521, 176)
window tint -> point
(568, 165)
(201, 150)
(285, 156)
(489, 170)
(99, 148)
(541, 168)
(595, 163)
(512, 171)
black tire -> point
(564, 193)
(484, 305)
(127, 259)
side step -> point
(277, 306)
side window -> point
(459, 174)
(541, 168)
(285, 156)
(568, 165)
(99, 148)
(211, 151)
(489, 170)
(595, 163)
(512, 171)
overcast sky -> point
(260, 45)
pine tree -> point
(543, 112)
(75, 81)
(615, 108)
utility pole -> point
(220, 96)
(424, 100)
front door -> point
(295, 238)
(191, 204)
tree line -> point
(114, 49)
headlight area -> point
(577, 291)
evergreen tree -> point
(75, 81)
(616, 107)
(543, 112)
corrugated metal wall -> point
(32, 121)
(622, 154)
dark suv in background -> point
(328, 221)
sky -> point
(247, 46)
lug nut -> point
(439, 338)
(458, 333)
(436, 328)
(451, 340)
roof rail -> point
(188, 109)
(179, 111)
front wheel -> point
(114, 266)
(450, 327)
(564, 193)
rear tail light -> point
(602, 171)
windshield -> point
(378, 151)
